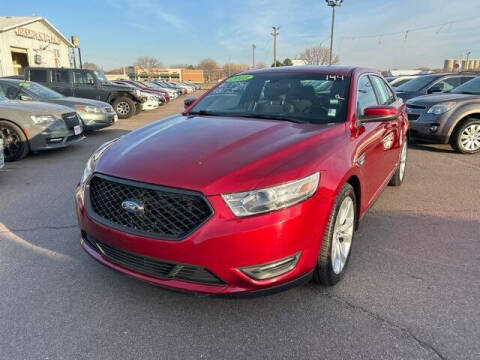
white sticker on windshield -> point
(333, 101)
(332, 112)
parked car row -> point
(443, 109)
(51, 108)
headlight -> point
(272, 198)
(137, 92)
(440, 109)
(43, 119)
(90, 109)
(92, 161)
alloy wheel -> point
(12, 143)
(342, 235)
(470, 138)
(123, 108)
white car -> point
(171, 93)
(152, 101)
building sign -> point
(75, 41)
(32, 34)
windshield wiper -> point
(469, 93)
(271, 117)
(204, 112)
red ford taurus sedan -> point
(258, 186)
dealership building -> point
(31, 41)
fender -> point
(460, 113)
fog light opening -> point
(272, 269)
(433, 128)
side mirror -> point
(436, 88)
(188, 102)
(379, 114)
(25, 98)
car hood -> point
(438, 98)
(219, 154)
(118, 87)
(35, 107)
(72, 101)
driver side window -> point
(365, 94)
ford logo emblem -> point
(132, 206)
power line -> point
(408, 31)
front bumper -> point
(46, 139)
(98, 121)
(428, 127)
(222, 245)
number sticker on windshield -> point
(335, 77)
(24, 84)
(240, 78)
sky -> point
(369, 33)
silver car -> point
(33, 126)
(94, 114)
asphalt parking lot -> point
(411, 291)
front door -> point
(370, 143)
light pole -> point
(253, 55)
(333, 4)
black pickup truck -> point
(89, 84)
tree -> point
(208, 64)
(318, 55)
(148, 63)
(182, 66)
(90, 66)
(287, 62)
(233, 68)
(279, 63)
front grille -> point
(153, 267)
(412, 106)
(164, 213)
(71, 120)
(413, 117)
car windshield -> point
(39, 91)
(416, 84)
(470, 87)
(100, 76)
(306, 97)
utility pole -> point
(253, 55)
(275, 34)
(468, 56)
(333, 4)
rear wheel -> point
(336, 245)
(14, 141)
(466, 137)
(124, 107)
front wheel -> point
(466, 138)
(124, 107)
(397, 178)
(15, 143)
(337, 242)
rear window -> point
(38, 75)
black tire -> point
(14, 141)
(138, 108)
(399, 175)
(124, 107)
(324, 273)
(455, 139)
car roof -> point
(13, 81)
(324, 69)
